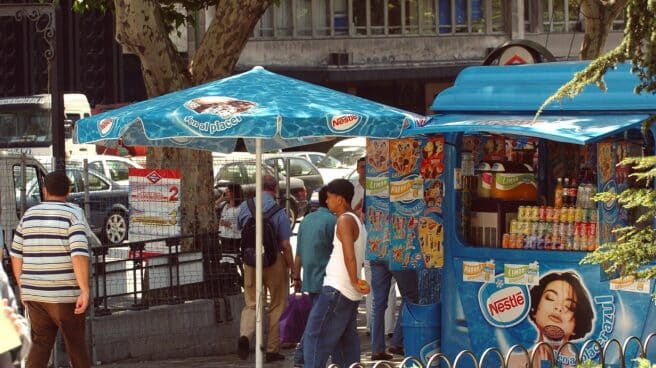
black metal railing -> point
(132, 276)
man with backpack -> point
(277, 262)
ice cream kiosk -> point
(511, 197)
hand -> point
(82, 302)
(11, 314)
(362, 286)
(297, 283)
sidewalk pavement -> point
(232, 360)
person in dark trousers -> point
(274, 278)
(313, 248)
(50, 259)
(381, 279)
(331, 328)
(9, 306)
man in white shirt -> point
(342, 288)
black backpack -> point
(269, 237)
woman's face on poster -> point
(554, 315)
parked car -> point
(114, 167)
(353, 177)
(313, 157)
(243, 172)
(342, 158)
(299, 168)
(108, 203)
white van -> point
(342, 158)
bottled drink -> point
(565, 194)
(573, 191)
(558, 193)
(581, 196)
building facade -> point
(399, 52)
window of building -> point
(330, 18)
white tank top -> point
(336, 274)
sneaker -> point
(398, 350)
(272, 357)
(381, 356)
(243, 347)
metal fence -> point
(128, 277)
(627, 354)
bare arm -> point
(81, 270)
(288, 254)
(17, 268)
(296, 273)
(347, 233)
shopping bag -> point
(294, 318)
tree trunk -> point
(225, 38)
(140, 30)
(599, 16)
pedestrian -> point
(275, 278)
(10, 307)
(50, 259)
(381, 278)
(313, 248)
(332, 327)
(227, 214)
(358, 203)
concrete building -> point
(403, 52)
(399, 52)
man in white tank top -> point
(331, 328)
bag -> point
(294, 318)
(270, 250)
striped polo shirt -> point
(46, 238)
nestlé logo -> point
(344, 122)
(503, 306)
(105, 126)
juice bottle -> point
(558, 193)
(565, 195)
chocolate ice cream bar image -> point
(224, 107)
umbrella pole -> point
(259, 308)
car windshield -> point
(340, 157)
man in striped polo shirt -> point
(49, 256)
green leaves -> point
(635, 246)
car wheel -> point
(115, 230)
(292, 213)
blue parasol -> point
(284, 111)
(269, 111)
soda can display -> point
(564, 214)
(578, 214)
(542, 213)
(571, 215)
(521, 213)
(505, 242)
(555, 214)
(580, 229)
(591, 229)
(535, 228)
(514, 226)
(567, 242)
(535, 213)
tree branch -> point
(225, 38)
(140, 30)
